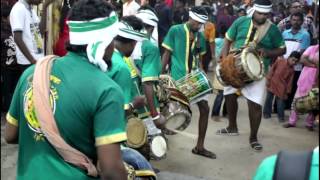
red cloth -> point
(59, 48)
(279, 78)
(169, 3)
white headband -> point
(128, 32)
(95, 53)
(99, 29)
(262, 8)
(197, 17)
(148, 17)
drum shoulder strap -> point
(262, 31)
(293, 165)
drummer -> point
(148, 66)
(183, 44)
(244, 30)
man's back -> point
(84, 101)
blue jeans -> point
(217, 105)
(267, 109)
(142, 167)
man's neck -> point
(295, 30)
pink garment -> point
(308, 74)
(305, 83)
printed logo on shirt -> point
(37, 41)
(29, 110)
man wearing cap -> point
(254, 29)
(85, 104)
(182, 44)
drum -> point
(308, 103)
(194, 85)
(136, 133)
(178, 115)
(241, 67)
(158, 147)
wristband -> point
(157, 117)
(131, 105)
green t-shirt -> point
(120, 73)
(239, 34)
(178, 42)
(148, 68)
(87, 107)
(265, 170)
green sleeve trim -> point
(150, 79)
(126, 107)
(11, 120)
(167, 47)
(111, 139)
(145, 173)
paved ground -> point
(235, 159)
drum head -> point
(253, 64)
(158, 146)
(178, 121)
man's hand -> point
(160, 122)
(263, 52)
(139, 102)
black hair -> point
(132, 21)
(148, 7)
(295, 54)
(87, 10)
(298, 14)
(199, 10)
(64, 12)
(222, 31)
(242, 10)
(184, 2)
(229, 8)
(294, 2)
(5, 9)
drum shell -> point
(308, 103)
(194, 85)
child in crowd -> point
(279, 81)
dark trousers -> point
(217, 105)
(267, 109)
(288, 102)
(9, 80)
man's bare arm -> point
(22, 46)
(165, 60)
(110, 161)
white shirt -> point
(23, 18)
(130, 8)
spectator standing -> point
(25, 26)
(308, 24)
(296, 39)
(227, 18)
(180, 14)
(164, 13)
(9, 69)
(306, 82)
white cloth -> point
(27, 21)
(293, 46)
(130, 8)
(255, 91)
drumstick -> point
(185, 134)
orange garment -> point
(210, 32)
